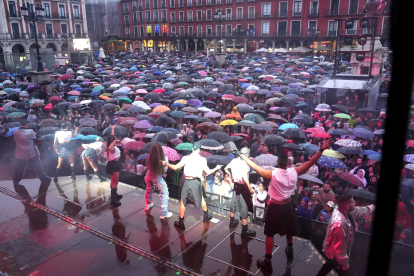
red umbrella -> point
(156, 114)
(228, 96)
(350, 178)
(314, 129)
(65, 77)
(320, 134)
(410, 143)
(74, 93)
(245, 136)
(135, 145)
(240, 100)
(159, 90)
(205, 153)
(55, 98)
(249, 92)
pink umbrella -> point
(274, 108)
(205, 153)
(202, 73)
(171, 154)
(249, 92)
(159, 90)
(141, 91)
(74, 93)
(176, 141)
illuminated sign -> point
(80, 44)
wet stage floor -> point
(68, 228)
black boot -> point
(265, 264)
(207, 216)
(289, 251)
(56, 175)
(180, 224)
(72, 168)
(101, 178)
(114, 200)
(118, 196)
(248, 232)
(88, 176)
(233, 222)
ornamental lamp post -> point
(314, 34)
(219, 16)
(33, 15)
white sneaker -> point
(149, 206)
(168, 215)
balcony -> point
(313, 14)
(208, 3)
(263, 16)
(78, 35)
(128, 35)
(49, 35)
(181, 5)
(126, 23)
(338, 12)
(190, 19)
(172, 20)
(199, 19)
(229, 2)
(164, 20)
(155, 20)
(134, 8)
(239, 1)
(283, 13)
(297, 14)
(126, 11)
(229, 17)
(199, 3)
(13, 14)
(172, 6)
(135, 21)
(209, 19)
(59, 16)
(251, 1)
(16, 36)
(219, 2)
(148, 20)
(239, 17)
(189, 5)
(140, 8)
(331, 34)
(147, 6)
(181, 20)
(77, 17)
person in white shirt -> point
(281, 217)
(259, 197)
(64, 148)
(241, 200)
(194, 166)
(90, 157)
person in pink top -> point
(281, 217)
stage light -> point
(349, 24)
(360, 57)
(364, 23)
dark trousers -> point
(35, 164)
(333, 264)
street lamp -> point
(219, 16)
(32, 16)
(314, 34)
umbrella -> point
(210, 144)
(163, 136)
(408, 182)
(311, 178)
(164, 120)
(115, 130)
(88, 131)
(184, 146)
(332, 153)
(323, 107)
(369, 152)
(342, 116)
(136, 109)
(340, 131)
(46, 130)
(218, 160)
(266, 160)
(350, 178)
(171, 154)
(294, 133)
(228, 123)
(143, 124)
(409, 158)
(173, 130)
(287, 126)
(379, 132)
(303, 119)
(256, 118)
(340, 108)
(348, 143)
(212, 114)
(310, 148)
(148, 146)
(177, 114)
(88, 122)
(134, 145)
(245, 123)
(331, 162)
(291, 146)
(350, 150)
(218, 135)
(363, 133)
(48, 123)
(155, 129)
(209, 125)
(91, 137)
(376, 157)
(361, 193)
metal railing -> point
(313, 14)
(77, 16)
(126, 11)
(59, 16)
(338, 12)
(13, 14)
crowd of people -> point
(232, 128)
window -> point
(78, 30)
(265, 28)
(353, 7)
(164, 29)
(164, 15)
(141, 18)
(190, 31)
(295, 29)
(266, 9)
(208, 2)
(182, 32)
(135, 31)
(228, 30)
(189, 3)
(208, 15)
(62, 12)
(64, 29)
(181, 3)
(173, 30)
(126, 10)
(312, 28)
(172, 3)
(209, 31)
(155, 14)
(199, 31)
(228, 14)
(49, 31)
(148, 16)
(239, 13)
(12, 9)
(139, 4)
(181, 16)
(127, 31)
(218, 30)
(190, 16)
(157, 29)
(149, 31)
(173, 17)
(199, 16)
(15, 30)
(332, 27)
(134, 5)
(199, 3)
(155, 5)
(251, 12)
(218, 2)
(147, 4)
(281, 28)
(353, 30)
(76, 14)
(283, 6)
(134, 17)
(297, 8)
(141, 30)
(313, 8)
(32, 30)
(47, 10)
(126, 19)
(334, 7)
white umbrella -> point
(262, 50)
(142, 104)
(130, 48)
(101, 53)
(281, 50)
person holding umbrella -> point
(281, 217)
(194, 166)
(64, 148)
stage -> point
(68, 228)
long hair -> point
(111, 138)
(154, 158)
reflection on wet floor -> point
(34, 240)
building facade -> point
(64, 21)
(244, 25)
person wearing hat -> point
(194, 167)
(241, 199)
(64, 148)
(281, 217)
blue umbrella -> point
(409, 158)
(95, 93)
(169, 92)
(157, 73)
(177, 105)
(363, 133)
(190, 117)
(78, 137)
(288, 125)
(75, 86)
(72, 98)
(14, 75)
(408, 182)
(11, 131)
(143, 156)
(90, 137)
(331, 162)
(369, 152)
(310, 148)
(258, 70)
(245, 85)
(177, 114)
(155, 129)
(376, 157)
